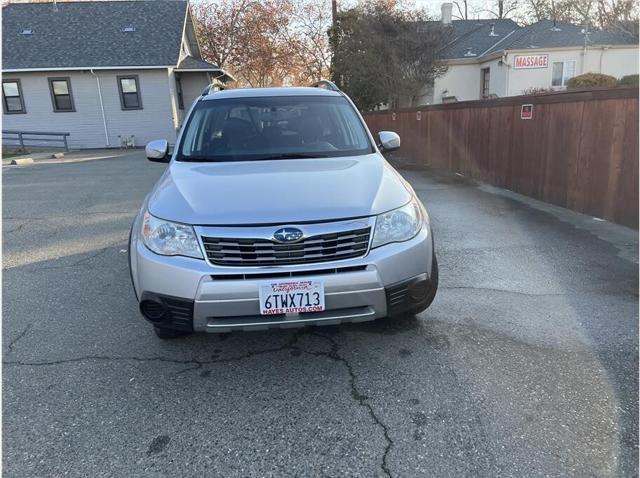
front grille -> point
(281, 275)
(263, 252)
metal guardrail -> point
(22, 136)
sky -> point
(432, 6)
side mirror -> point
(157, 151)
(389, 141)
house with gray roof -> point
(496, 58)
(110, 73)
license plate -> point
(289, 297)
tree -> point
(503, 9)
(385, 55)
(463, 10)
(607, 14)
(267, 42)
(248, 37)
(220, 29)
(308, 31)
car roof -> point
(273, 91)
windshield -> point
(285, 127)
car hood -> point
(277, 192)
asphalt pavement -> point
(526, 364)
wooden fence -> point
(579, 150)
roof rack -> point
(326, 84)
(212, 88)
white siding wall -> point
(616, 62)
(192, 86)
(461, 81)
(497, 78)
(85, 123)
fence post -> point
(66, 146)
(21, 142)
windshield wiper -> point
(224, 159)
(198, 159)
(291, 156)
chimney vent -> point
(492, 32)
(446, 10)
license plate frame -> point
(291, 297)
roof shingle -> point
(191, 63)
(90, 34)
(547, 34)
(472, 38)
(475, 36)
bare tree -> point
(463, 10)
(248, 37)
(308, 31)
(503, 9)
(608, 14)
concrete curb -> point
(77, 156)
(31, 158)
(22, 161)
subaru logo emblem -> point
(287, 234)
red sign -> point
(530, 61)
(526, 112)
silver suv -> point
(278, 209)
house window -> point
(61, 96)
(179, 93)
(129, 93)
(12, 97)
(562, 72)
(484, 82)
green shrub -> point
(590, 80)
(629, 80)
(536, 90)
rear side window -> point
(12, 99)
(61, 95)
(267, 127)
(129, 93)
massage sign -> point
(523, 62)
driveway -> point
(526, 363)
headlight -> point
(169, 238)
(398, 225)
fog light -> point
(419, 290)
(154, 311)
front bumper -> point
(223, 299)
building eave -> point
(519, 51)
(571, 48)
(87, 68)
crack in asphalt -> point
(16, 229)
(79, 262)
(63, 216)
(361, 399)
(506, 291)
(534, 294)
(290, 344)
(18, 337)
(106, 358)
